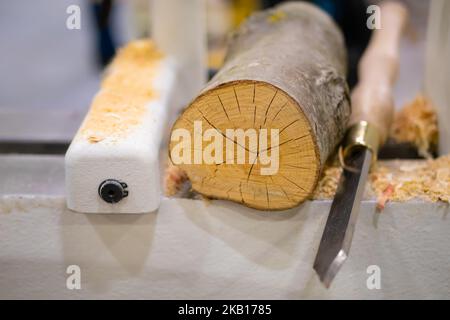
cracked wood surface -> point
(285, 70)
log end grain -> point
(254, 105)
(284, 71)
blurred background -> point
(49, 73)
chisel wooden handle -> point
(372, 99)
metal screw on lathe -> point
(112, 191)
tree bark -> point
(285, 70)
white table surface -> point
(199, 250)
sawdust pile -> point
(394, 180)
(398, 180)
(125, 92)
(327, 185)
(416, 123)
(428, 180)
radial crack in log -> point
(283, 82)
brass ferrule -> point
(362, 134)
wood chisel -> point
(372, 113)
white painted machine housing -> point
(133, 159)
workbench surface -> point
(206, 250)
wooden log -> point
(283, 77)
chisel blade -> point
(337, 235)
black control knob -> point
(112, 191)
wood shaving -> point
(276, 16)
(428, 180)
(175, 177)
(384, 197)
(399, 180)
(328, 183)
(416, 123)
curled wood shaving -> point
(327, 185)
(416, 123)
(399, 180)
(385, 196)
(174, 179)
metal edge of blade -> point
(327, 276)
